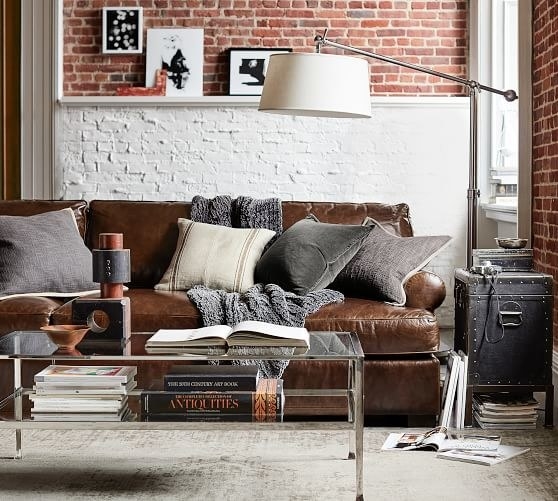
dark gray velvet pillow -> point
(384, 262)
(309, 255)
(43, 254)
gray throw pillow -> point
(309, 255)
(384, 263)
(43, 254)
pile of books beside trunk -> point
(505, 411)
(214, 393)
(82, 393)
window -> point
(503, 142)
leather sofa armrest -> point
(425, 290)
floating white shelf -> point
(159, 101)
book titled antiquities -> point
(264, 404)
(196, 378)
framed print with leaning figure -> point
(179, 51)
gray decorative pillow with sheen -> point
(218, 257)
(309, 255)
(384, 263)
(44, 254)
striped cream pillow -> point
(218, 257)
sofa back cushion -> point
(395, 218)
(32, 207)
(151, 231)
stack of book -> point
(214, 393)
(454, 391)
(505, 411)
(82, 393)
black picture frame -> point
(122, 30)
(247, 68)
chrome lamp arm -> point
(474, 87)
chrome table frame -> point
(354, 393)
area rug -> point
(262, 465)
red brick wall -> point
(545, 143)
(428, 33)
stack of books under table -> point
(214, 393)
(505, 411)
(82, 393)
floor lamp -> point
(327, 85)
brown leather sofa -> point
(401, 374)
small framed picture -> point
(122, 30)
(247, 70)
(179, 51)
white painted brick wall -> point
(412, 150)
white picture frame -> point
(180, 52)
(122, 30)
(247, 69)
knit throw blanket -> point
(241, 212)
(266, 303)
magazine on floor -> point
(438, 439)
(487, 458)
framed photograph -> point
(179, 51)
(247, 70)
(122, 30)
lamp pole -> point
(474, 88)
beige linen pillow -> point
(218, 257)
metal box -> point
(504, 324)
(507, 259)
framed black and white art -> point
(248, 68)
(180, 52)
(122, 30)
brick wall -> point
(428, 33)
(545, 143)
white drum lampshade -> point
(316, 84)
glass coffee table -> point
(20, 347)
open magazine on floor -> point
(438, 439)
(487, 458)
(223, 337)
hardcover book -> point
(203, 417)
(86, 374)
(74, 389)
(265, 403)
(221, 338)
(188, 378)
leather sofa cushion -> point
(382, 328)
(26, 313)
(151, 310)
(150, 232)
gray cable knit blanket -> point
(266, 303)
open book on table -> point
(223, 337)
(438, 439)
